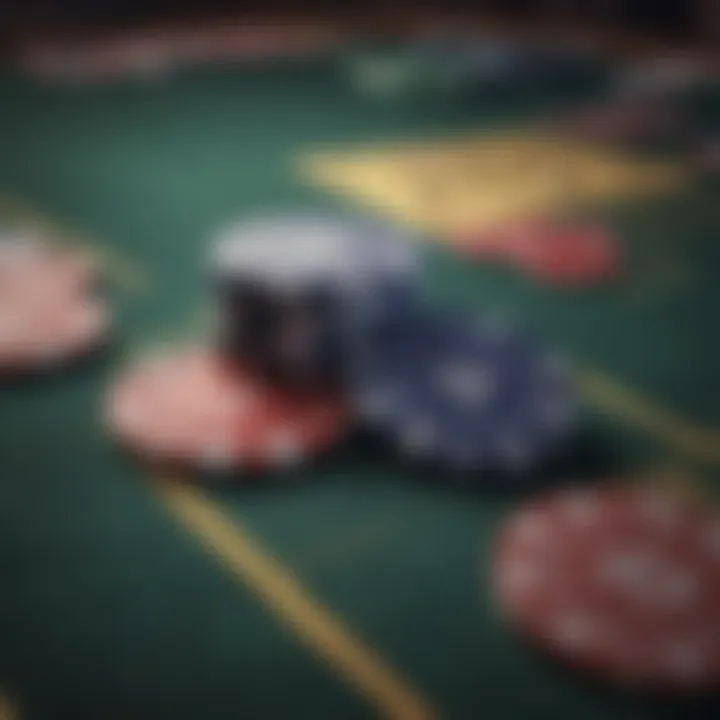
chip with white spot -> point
(590, 578)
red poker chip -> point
(48, 314)
(554, 253)
(621, 582)
(567, 254)
(189, 406)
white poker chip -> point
(290, 252)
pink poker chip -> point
(189, 406)
(49, 313)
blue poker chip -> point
(467, 395)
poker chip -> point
(293, 288)
(293, 250)
(622, 582)
(566, 255)
(623, 120)
(669, 77)
(48, 311)
(462, 395)
(188, 406)
(562, 254)
(28, 259)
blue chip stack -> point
(465, 395)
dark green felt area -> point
(109, 609)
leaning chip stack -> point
(49, 310)
(467, 396)
(621, 582)
(293, 288)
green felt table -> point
(122, 597)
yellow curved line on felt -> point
(608, 396)
(316, 626)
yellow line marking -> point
(8, 709)
(316, 626)
(449, 184)
(612, 398)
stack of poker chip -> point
(331, 304)
(463, 394)
(294, 290)
(322, 328)
(270, 390)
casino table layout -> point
(355, 587)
